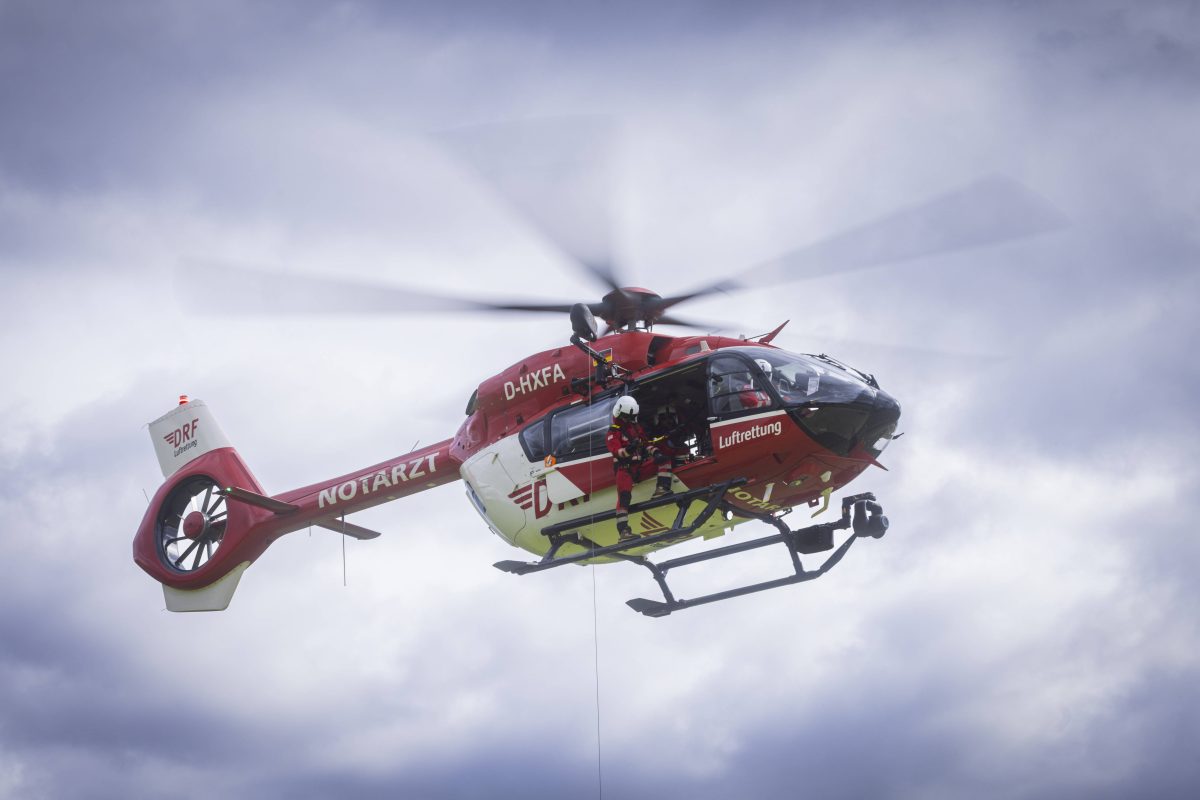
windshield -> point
(807, 380)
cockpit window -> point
(534, 440)
(580, 430)
(734, 386)
(838, 406)
(807, 380)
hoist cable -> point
(596, 668)
(595, 625)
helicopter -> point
(757, 431)
(761, 431)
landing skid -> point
(860, 512)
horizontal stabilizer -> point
(258, 500)
(349, 529)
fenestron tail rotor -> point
(191, 525)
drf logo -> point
(532, 496)
(183, 438)
(182, 434)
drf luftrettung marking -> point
(758, 431)
(184, 437)
(533, 495)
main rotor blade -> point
(989, 211)
(708, 326)
(246, 290)
(556, 173)
(918, 353)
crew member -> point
(751, 395)
(630, 447)
(775, 377)
(669, 432)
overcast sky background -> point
(1026, 629)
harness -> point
(630, 443)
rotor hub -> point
(628, 306)
(194, 525)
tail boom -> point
(390, 480)
(179, 529)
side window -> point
(580, 431)
(734, 386)
(533, 439)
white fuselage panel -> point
(519, 497)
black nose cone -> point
(881, 424)
(886, 407)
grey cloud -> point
(1023, 631)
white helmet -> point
(626, 407)
(766, 366)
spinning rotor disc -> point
(553, 173)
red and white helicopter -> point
(760, 431)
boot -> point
(624, 532)
(662, 488)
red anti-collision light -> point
(183, 399)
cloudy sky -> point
(1028, 627)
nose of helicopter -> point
(868, 420)
(881, 423)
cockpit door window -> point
(580, 430)
(735, 387)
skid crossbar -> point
(859, 512)
(866, 520)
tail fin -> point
(192, 540)
(184, 434)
